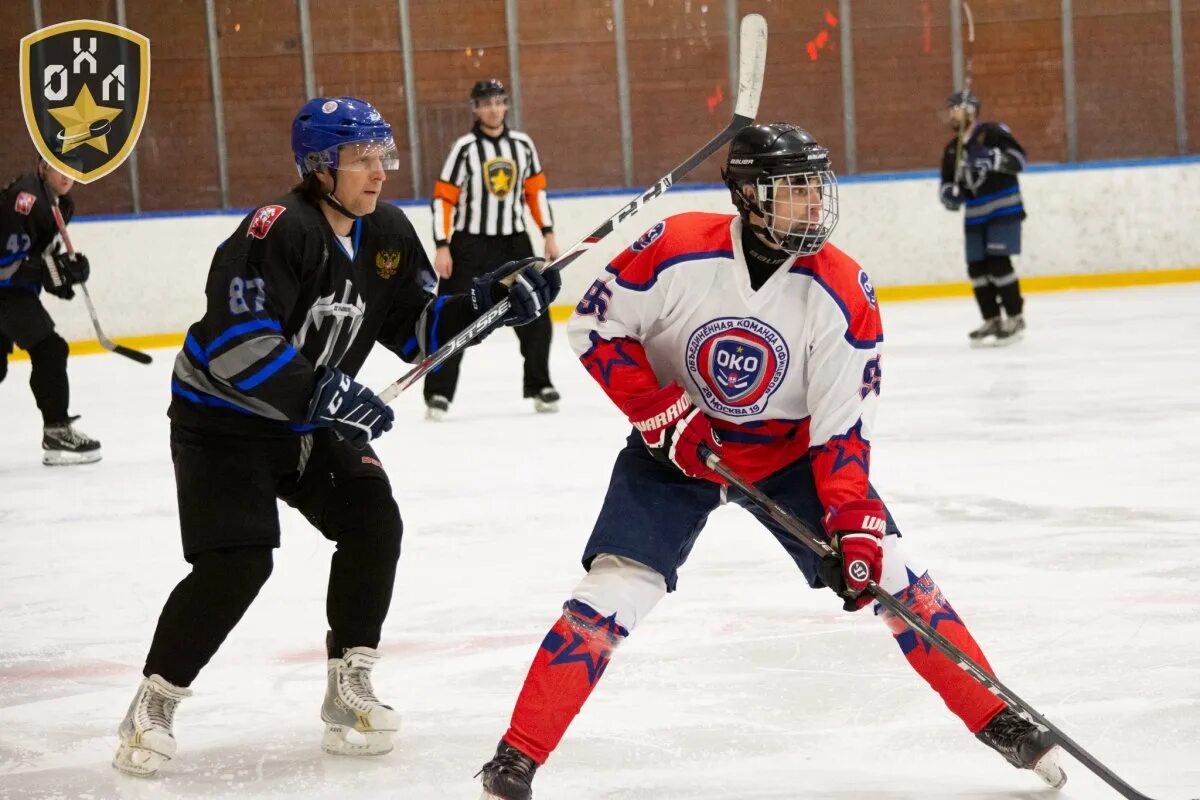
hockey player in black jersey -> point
(32, 259)
(265, 405)
(979, 173)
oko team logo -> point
(737, 363)
(85, 87)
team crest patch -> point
(264, 218)
(649, 237)
(24, 204)
(868, 288)
(386, 263)
(85, 89)
(500, 174)
(737, 363)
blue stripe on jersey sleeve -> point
(205, 399)
(246, 384)
(666, 264)
(13, 257)
(242, 327)
(197, 352)
(858, 344)
(987, 198)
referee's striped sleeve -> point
(535, 192)
(445, 195)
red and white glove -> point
(856, 529)
(674, 429)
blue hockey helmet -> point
(324, 124)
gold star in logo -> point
(500, 183)
(77, 121)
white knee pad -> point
(898, 561)
(621, 586)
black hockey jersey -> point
(27, 231)
(284, 296)
(989, 191)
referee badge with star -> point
(85, 90)
(501, 173)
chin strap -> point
(336, 204)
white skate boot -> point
(147, 739)
(356, 723)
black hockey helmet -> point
(488, 88)
(964, 98)
(767, 161)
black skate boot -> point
(1011, 330)
(546, 400)
(986, 334)
(62, 444)
(509, 775)
(1025, 746)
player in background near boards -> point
(32, 258)
(979, 173)
(491, 176)
(747, 334)
(265, 405)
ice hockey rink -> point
(1051, 487)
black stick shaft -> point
(822, 548)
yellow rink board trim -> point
(886, 294)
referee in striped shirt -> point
(491, 175)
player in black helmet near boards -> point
(979, 173)
(491, 176)
(265, 405)
(32, 258)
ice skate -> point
(985, 335)
(356, 723)
(1025, 746)
(546, 401)
(147, 738)
(509, 775)
(1011, 330)
(62, 445)
(436, 408)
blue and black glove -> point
(951, 196)
(352, 410)
(529, 289)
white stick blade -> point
(752, 63)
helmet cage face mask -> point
(799, 209)
(355, 157)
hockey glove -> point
(352, 410)
(856, 529)
(527, 287)
(951, 196)
(674, 429)
(76, 267)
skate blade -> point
(542, 407)
(1050, 770)
(340, 740)
(62, 458)
(434, 414)
(138, 762)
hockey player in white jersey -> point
(751, 335)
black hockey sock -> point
(204, 608)
(1004, 277)
(363, 570)
(48, 379)
(985, 292)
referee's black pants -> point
(474, 255)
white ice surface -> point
(1051, 487)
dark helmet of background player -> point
(964, 99)
(488, 88)
(783, 157)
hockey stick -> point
(819, 546)
(752, 62)
(105, 342)
(958, 149)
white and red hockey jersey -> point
(787, 370)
